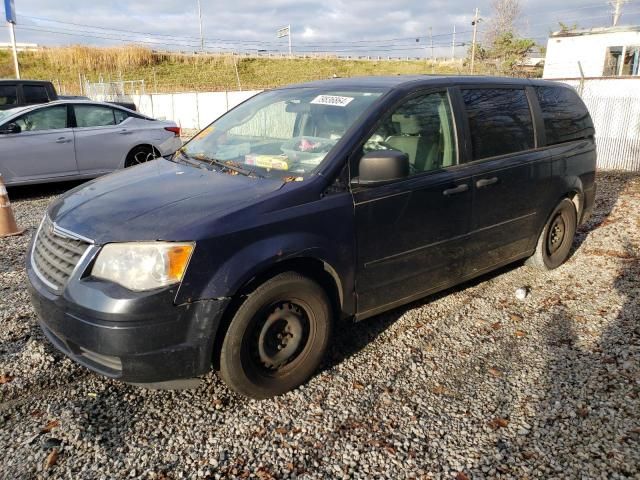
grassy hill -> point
(176, 72)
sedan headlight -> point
(143, 265)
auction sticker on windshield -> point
(335, 100)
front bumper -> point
(133, 337)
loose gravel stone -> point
(470, 383)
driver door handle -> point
(124, 131)
(62, 140)
(459, 189)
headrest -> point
(409, 124)
(335, 117)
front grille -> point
(55, 255)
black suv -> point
(301, 208)
(17, 93)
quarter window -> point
(500, 121)
(565, 116)
(34, 94)
(8, 95)
(422, 128)
(120, 115)
(51, 118)
(94, 116)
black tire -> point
(254, 361)
(554, 243)
(140, 155)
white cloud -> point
(251, 24)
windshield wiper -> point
(186, 159)
(202, 161)
(228, 166)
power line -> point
(223, 40)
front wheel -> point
(554, 243)
(277, 338)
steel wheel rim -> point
(556, 235)
(280, 337)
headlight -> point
(143, 265)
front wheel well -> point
(313, 268)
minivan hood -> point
(153, 201)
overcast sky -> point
(344, 26)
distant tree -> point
(564, 27)
(503, 19)
(509, 51)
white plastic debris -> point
(522, 293)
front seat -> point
(332, 123)
(410, 141)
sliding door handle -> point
(459, 189)
(485, 182)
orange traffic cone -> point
(8, 226)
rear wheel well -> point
(312, 268)
(156, 152)
(578, 202)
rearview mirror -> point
(382, 166)
(10, 128)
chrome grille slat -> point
(55, 255)
(53, 274)
(50, 253)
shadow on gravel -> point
(606, 199)
(588, 416)
(29, 192)
(109, 419)
(350, 338)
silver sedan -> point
(68, 140)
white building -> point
(21, 47)
(598, 52)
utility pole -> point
(431, 40)
(200, 19)
(10, 13)
(475, 22)
(289, 30)
(617, 10)
(453, 45)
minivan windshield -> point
(281, 134)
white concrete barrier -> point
(192, 111)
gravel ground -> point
(471, 383)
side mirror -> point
(382, 166)
(10, 128)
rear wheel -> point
(139, 155)
(556, 238)
(277, 337)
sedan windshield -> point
(4, 114)
(278, 134)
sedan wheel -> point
(140, 155)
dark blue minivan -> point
(302, 208)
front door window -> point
(422, 128)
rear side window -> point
(500, 121)
(565, 116)
(8, 95)
(93, 116)
(34, 94)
